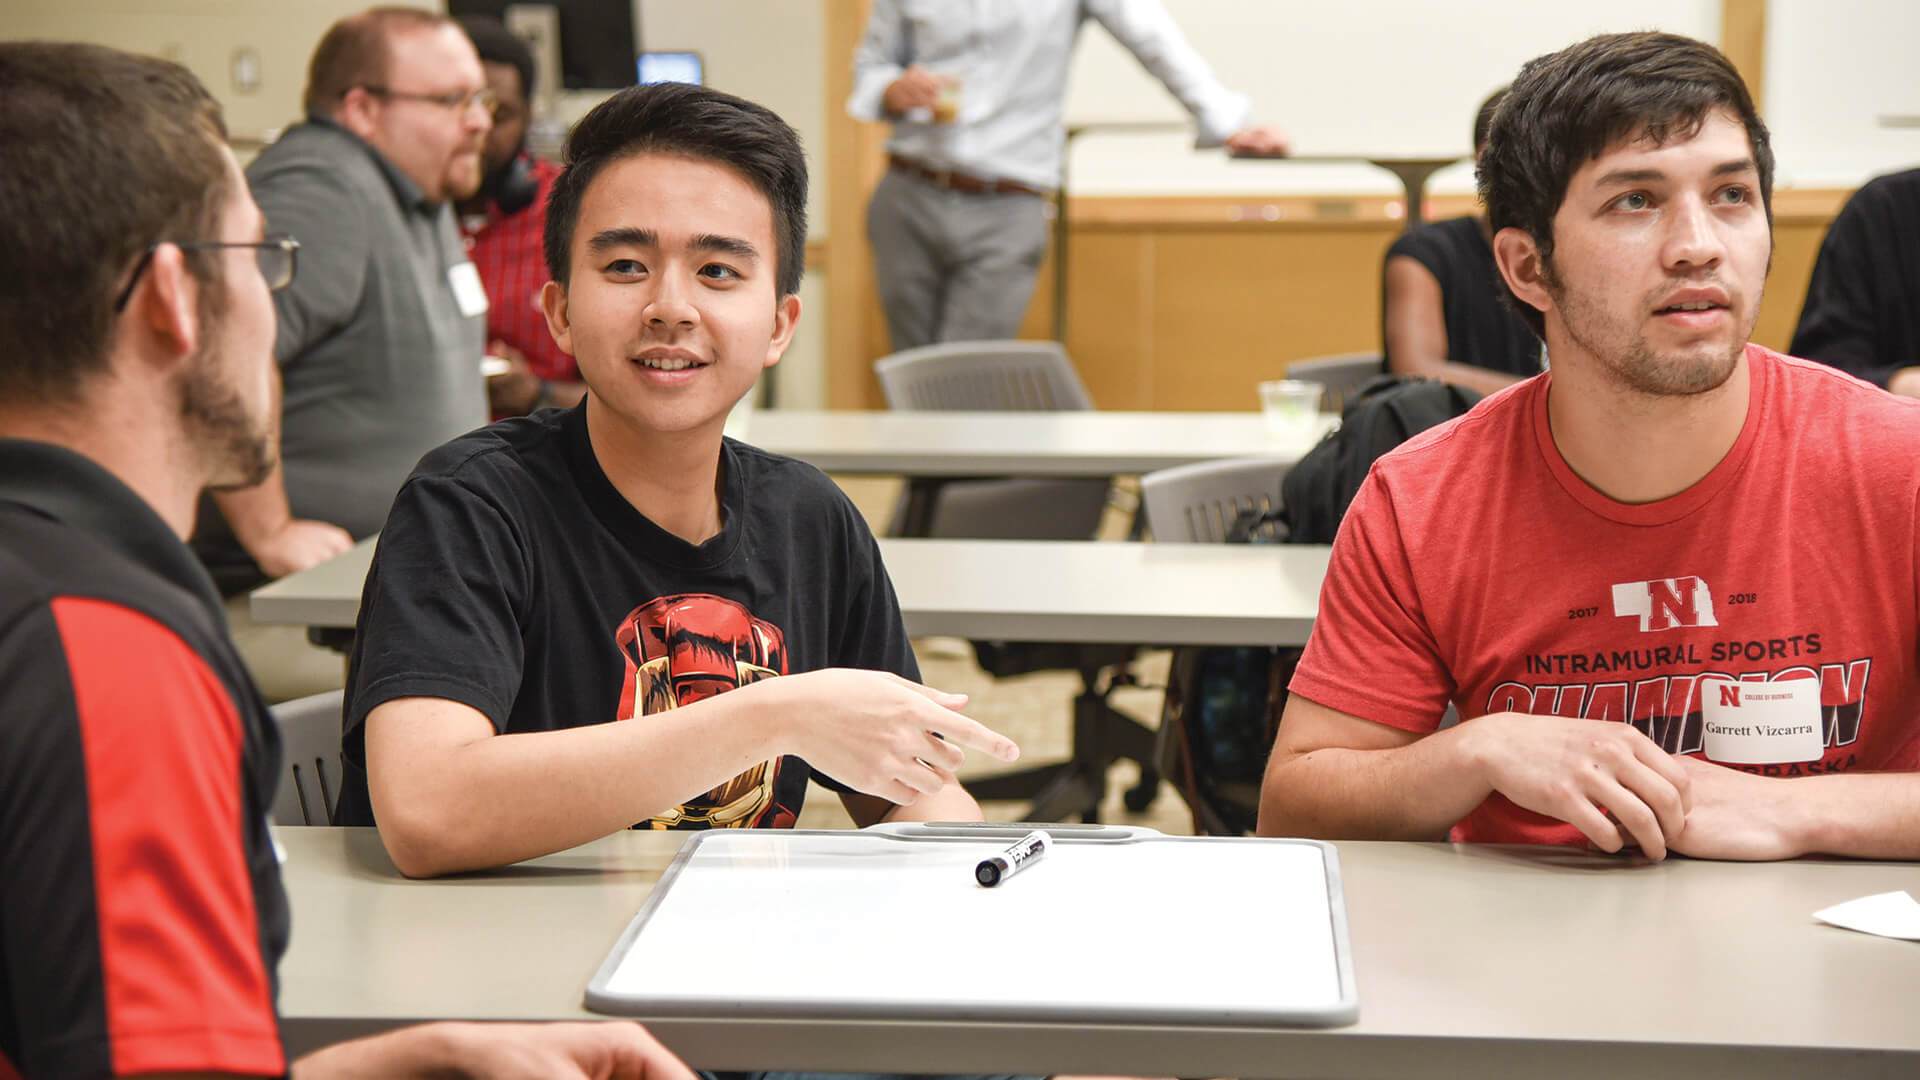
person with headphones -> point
(503, 223)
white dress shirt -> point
(1012, 58)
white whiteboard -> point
(1834, 67)
(1369, 77)
(1113, 924)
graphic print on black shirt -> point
(688, 648)
(513, 578)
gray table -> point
(1472, 961)
(1093, 443)
(1034, 590)
(1072, 591)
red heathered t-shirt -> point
(1475, 567)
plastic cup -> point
(1292, 408)
(946, 107)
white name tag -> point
(1762, 723)
(467, 290)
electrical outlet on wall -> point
(244, 68)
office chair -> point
(310, 734)
(992, 376)
(1195, 504)
(1032, 376)
(1341, 374)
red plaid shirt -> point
(508, 252)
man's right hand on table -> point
(1603, 777)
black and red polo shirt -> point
(141, 912)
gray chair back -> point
(996, 376)
(310, 739)
(1032, 376)
(1195, 503)
(1341, 374)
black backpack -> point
(1223, 705)
(1388, 410)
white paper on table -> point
(1887, 914)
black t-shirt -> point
(1862, 313)
(514, 578)
(1481, 329)
(141, 910)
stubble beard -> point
(236, 449)
(1633, 363)
(466, 176)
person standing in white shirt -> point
(975, 90)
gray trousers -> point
(951, 266)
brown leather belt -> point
(962, 182)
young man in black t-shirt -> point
(621, 561)
(142, 916)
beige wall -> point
(205, 36)
(772, 52)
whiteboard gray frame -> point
(1345, 1010)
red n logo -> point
(1665, 603)
(1729, 695)
(1673, 603)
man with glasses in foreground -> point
(142, 917)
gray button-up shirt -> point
(378, 362)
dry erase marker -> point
(1021, 855)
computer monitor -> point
(659, 67)
(597, 38)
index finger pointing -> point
(965, 731)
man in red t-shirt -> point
(1672, 583)
(504, 223)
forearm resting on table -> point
(1334, 776)
(1862, 815)
(614, 1049)
(257, 512)
(450, 795)
(423, 1051)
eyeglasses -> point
(275, 254)
(459, 101)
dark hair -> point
(107, 154)
(679, 118)
(356, 51)
(1483, 120)
(1569, 107)
(498, 45)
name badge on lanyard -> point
(1762, 723)
(467, 290)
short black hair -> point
(1483, 120)
(498, 45)
(107, 154)
(1567, 108)
(680, 118)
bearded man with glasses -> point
(380, 340)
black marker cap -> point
(989, 871)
